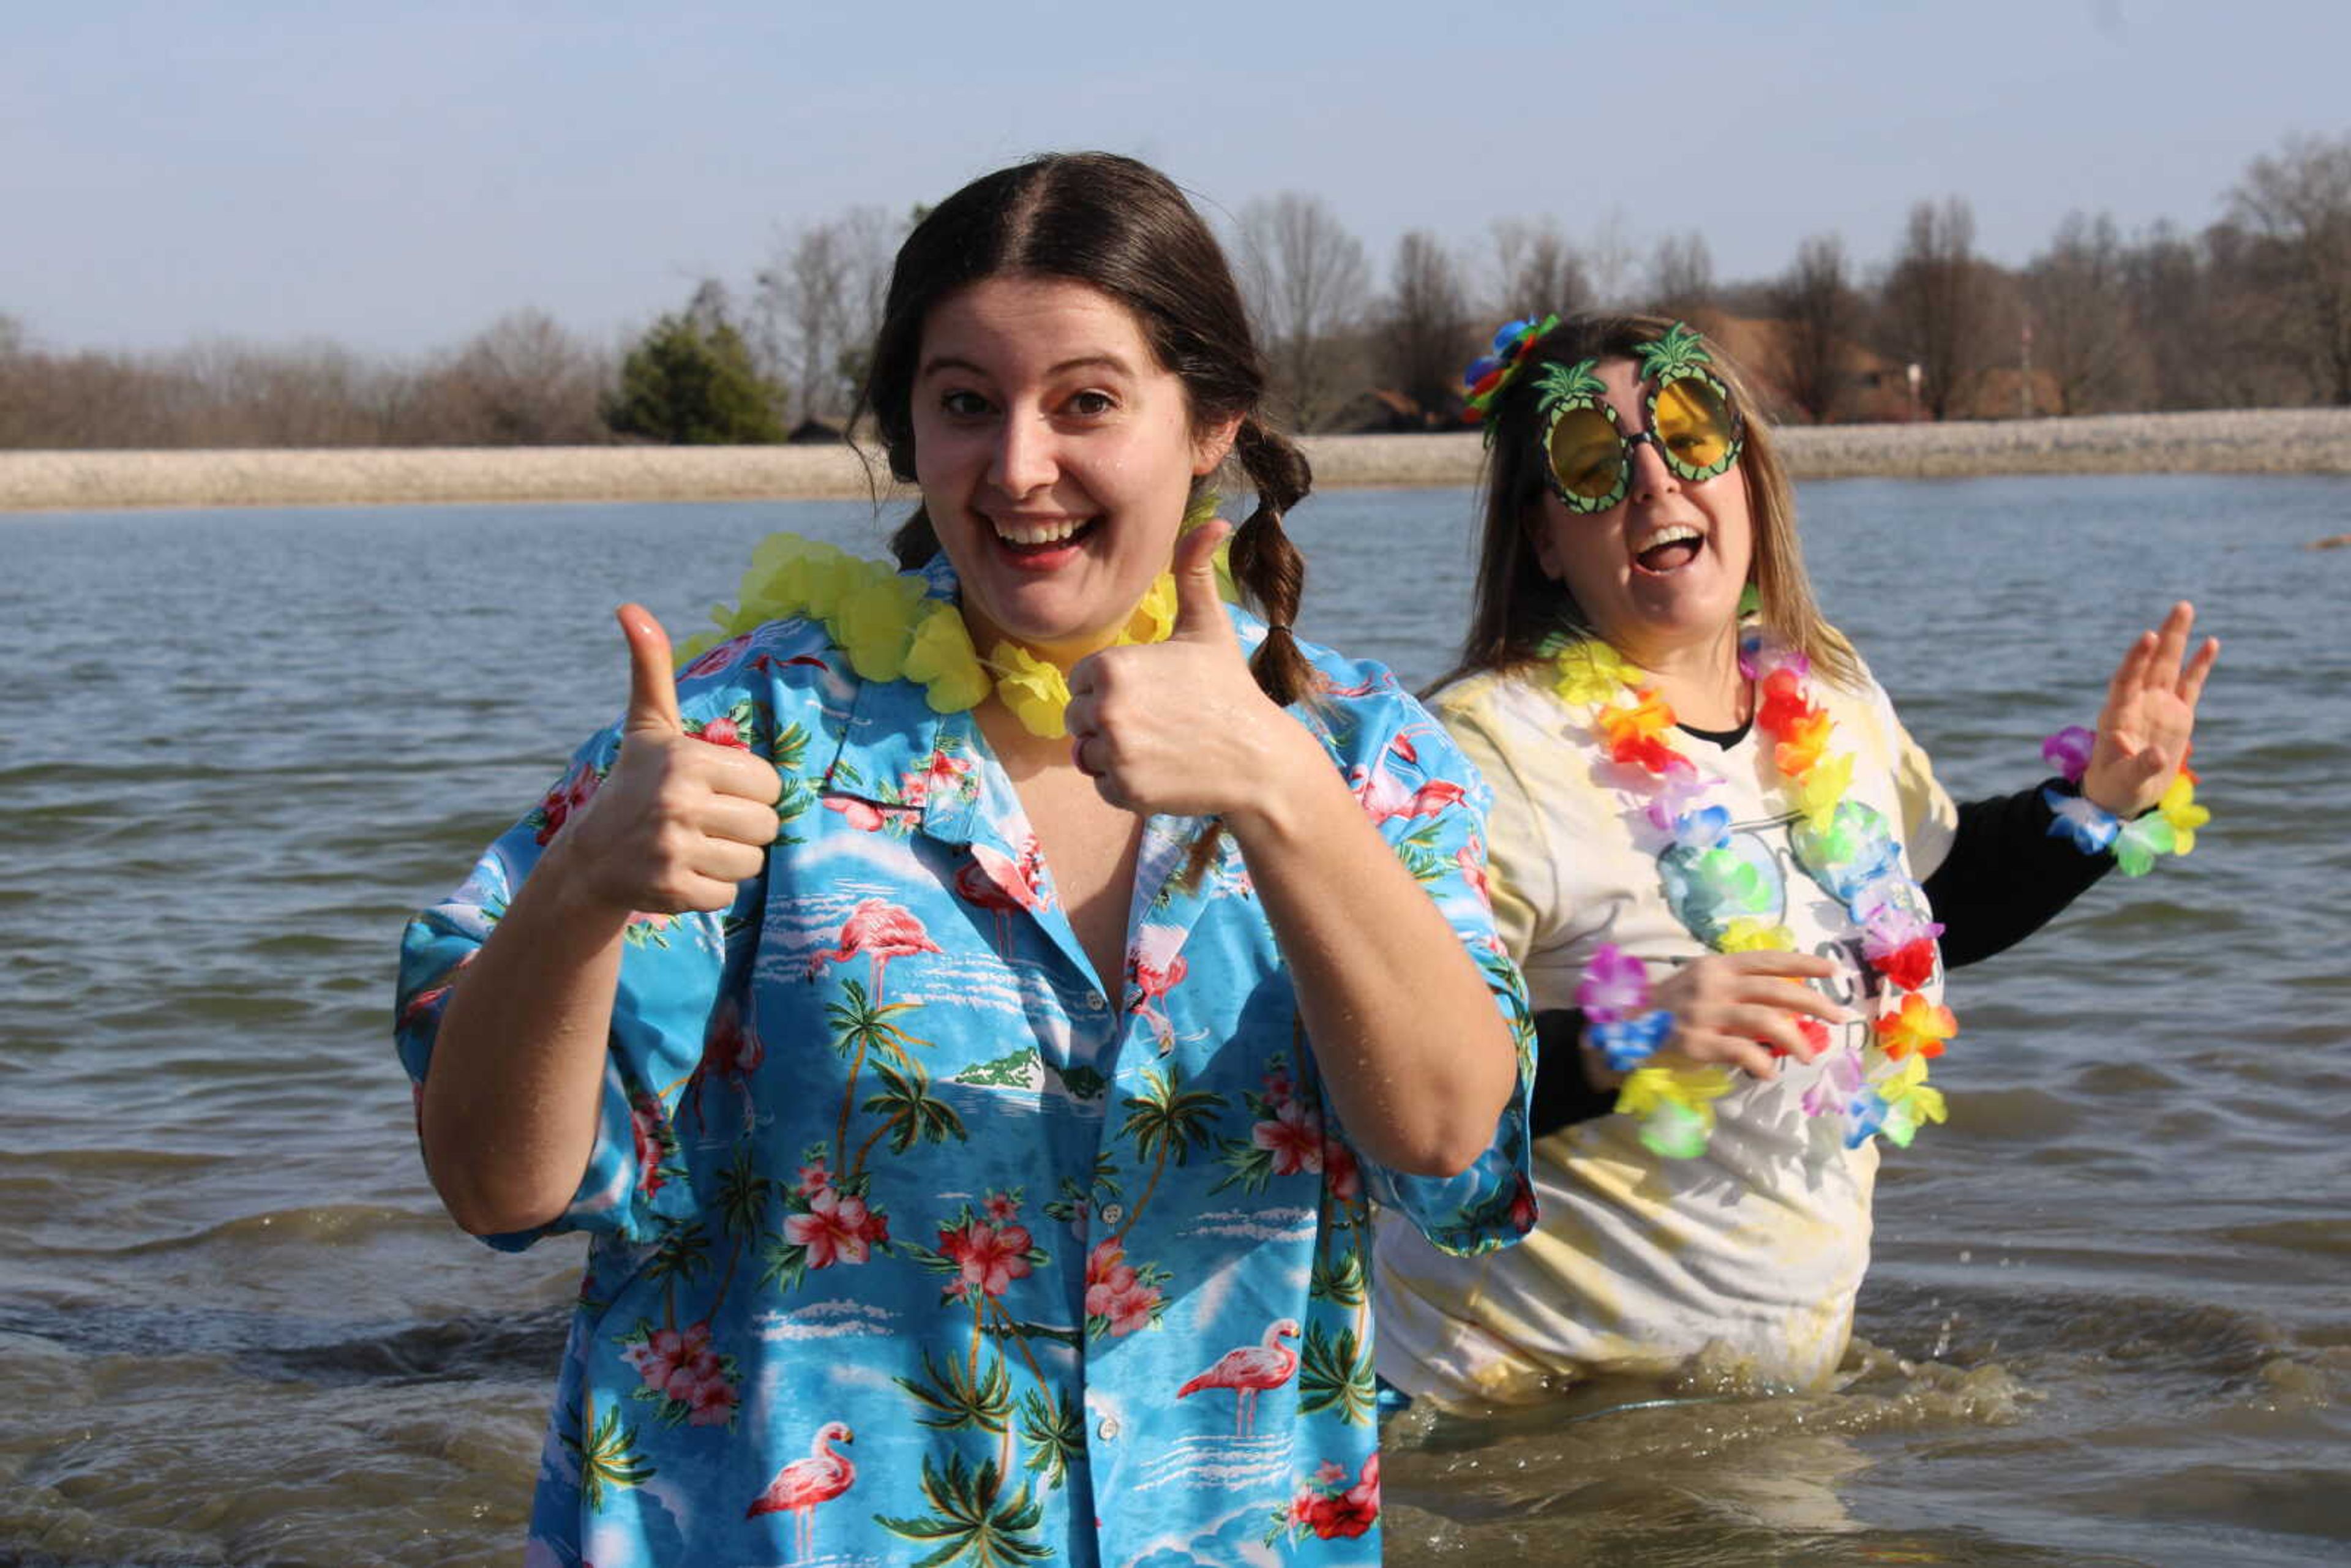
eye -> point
(1091, 403)
(962, 404)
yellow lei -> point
(879, 617)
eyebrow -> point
(932, 367)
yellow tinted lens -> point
(1586, 455)
(1694, 422)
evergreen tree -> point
(690, 381)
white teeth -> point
(1025, 533)
(1673, 534)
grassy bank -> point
(2273, 441)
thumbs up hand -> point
(1180, 726)
(678, 823)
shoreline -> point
(2260, 441)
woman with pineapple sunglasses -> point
(1725, 867)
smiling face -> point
(1660, 572)
(1056, 456)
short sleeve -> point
(672, 970)
(1524, 876)
(1930, 820)
(1491, 1204)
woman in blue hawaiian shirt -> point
(974, 1099)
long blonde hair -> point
(1516, 609)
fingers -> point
(1199, 608)
(2190, 688)
(2128, 676)
(735, 820)
(2171, 641)
(653, 678)
(1728, 1051)
(1806, 966)
(741, 774)
(728, 863)
(1745, 1009)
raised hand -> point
(2150, 714)
(1734, 1008)
(678, 823)
(1180, 726)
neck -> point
(1699, 680)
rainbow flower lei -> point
(1844, 845)
(880, 617)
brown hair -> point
(1516, 607)
(1123, 227)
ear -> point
(1212, 444)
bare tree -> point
(2083, 337)
(2299, 204)
(523, 380)
(1425, 336)
(1681, 273)
(1306, 280)
(1818, 314)
(1608, 260)
(815, 304)
(1935, 302)
(1540, 272)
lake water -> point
(2110, 1317)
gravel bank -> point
(2275, 441)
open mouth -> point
(1669, 550)
(1041, 537)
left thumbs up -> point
(1200, 614)
(1180, 726)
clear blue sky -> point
(394, 176)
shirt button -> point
(1108, 1430)
(1111, 1215)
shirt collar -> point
(893, 746)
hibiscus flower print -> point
(686, 1374)
(836, 1229)
(560, 803)
(1120, 1297)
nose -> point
(1651, 478)
(1024, 461)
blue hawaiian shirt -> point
(908, 1245)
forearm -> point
(2005, 876)
(1410, 1046)
(511, 1100)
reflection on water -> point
(2108, 1321)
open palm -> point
(2149, 717)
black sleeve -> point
(1562, 1094)
(2007, 876)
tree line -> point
(2252, 310)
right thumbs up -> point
(676, 824)
(652, 680)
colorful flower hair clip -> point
(1489, 373)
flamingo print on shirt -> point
(732, 1052)
(1153, 968)
(1248, 1370)
(802, 1485)
(1383, 794)
(996, 881)
(881, 930)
